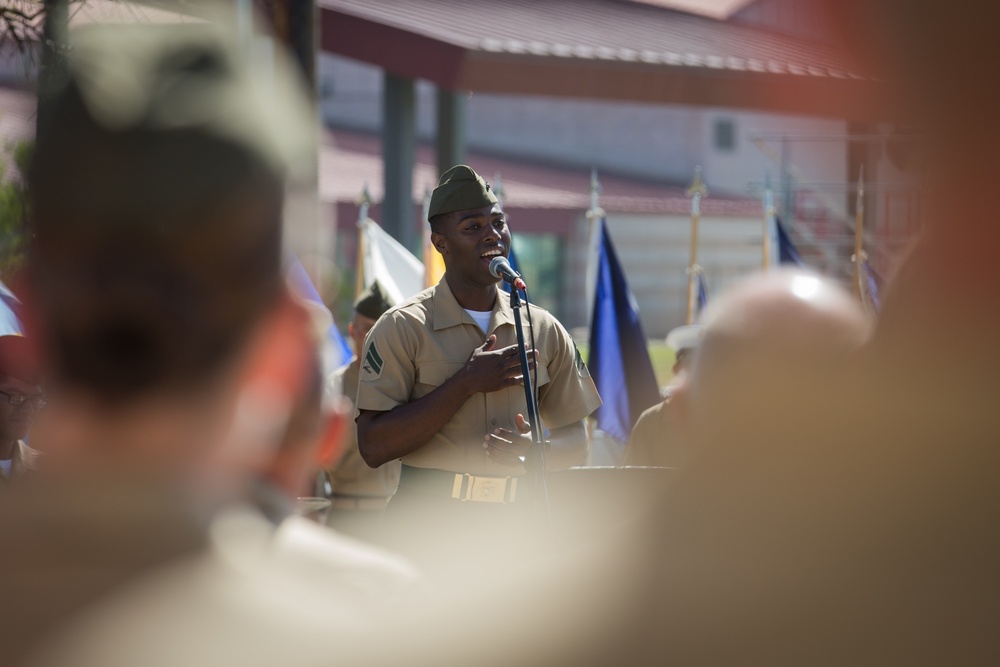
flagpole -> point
(859, 220)
(695, 192)
(594, 214)
(428, 249)
(768, 220)
(364, 201)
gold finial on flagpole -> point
(695, 192)
(364, 203)
(595, 211)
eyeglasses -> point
(37, 402)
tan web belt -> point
(460, 486)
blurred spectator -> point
(651, 442)
(363, 579)
(178, 359)
(360, 492)
(21, 397)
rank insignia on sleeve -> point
(371, 368)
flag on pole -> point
(787, 254)
(385, 259)
(619, 359)
(433, 261)
(873, 284)
(10, 323)
(337, 352)
(702, 292)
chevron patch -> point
(373, 363)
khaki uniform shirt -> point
(352, 476)
(648, 444)
(419, 344)
(654, 440)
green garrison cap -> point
(146, 108)
(157, 192)
(460, 189)
(373, 302)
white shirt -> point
(482, 318)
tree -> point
(21, 23)
(13, 209)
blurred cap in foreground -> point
(157, 190)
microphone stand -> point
(534, 461)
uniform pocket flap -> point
(435, 373)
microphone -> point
(501, 268)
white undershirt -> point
(482, 318)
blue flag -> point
(10, 323)
(702, 292)
(873, 282)
(787, 254)
(299, 280)
(512, 258)
(619, 360)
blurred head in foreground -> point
(154, 273)
(771, 326)
(748, 518)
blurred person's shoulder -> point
(375, 577)
(651, 443)
(256, 595)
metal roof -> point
(719, 9)
(350, 161)
(604, 49)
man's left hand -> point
(508, 448)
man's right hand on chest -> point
(490, 369)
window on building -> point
(725, 134)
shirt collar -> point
(449, 313)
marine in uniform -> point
(654, 440)
(440, 384)
(359, 492)
(178, 357)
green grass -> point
(661, 356)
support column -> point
(399, 149)
(53, 57)
(450, 129)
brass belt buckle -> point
(483, 489)
(488, 489)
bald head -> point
(775, 325)
(797, 311)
